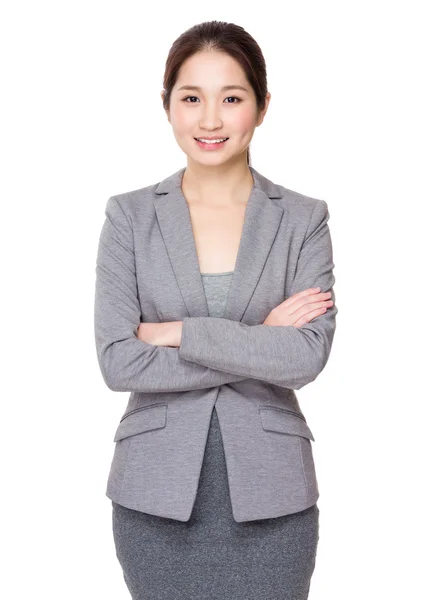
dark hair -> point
(222, 37)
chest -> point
(217, 233)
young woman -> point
(214, 303)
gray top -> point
(213, 477)
(216, 287)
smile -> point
(211, 144)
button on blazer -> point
(147, 270)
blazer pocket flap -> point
(283, 421)
(145, 418)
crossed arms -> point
(213, 351)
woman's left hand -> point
(161, 334)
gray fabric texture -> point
(148, 271)
(211, 556)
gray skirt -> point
(211, 556)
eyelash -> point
(186, 98)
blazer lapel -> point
(261, 223)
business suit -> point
(148, 271)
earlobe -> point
(165, 110)
(261, 117)
(268, 97)
(264, 110)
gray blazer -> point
(147, 271)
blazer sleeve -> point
(128, 364)
(286, 356)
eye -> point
(235, 97)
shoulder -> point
(303, 210)
(129, 201)
(295, 203)
(298, 201)
(298, 207)
(141, 201)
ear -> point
(166, 109)
(264, 110)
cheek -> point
(181, 119)
(245, 120)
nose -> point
(209, 118)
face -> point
(213, 111)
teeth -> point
(211, 141)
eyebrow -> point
(223, 89)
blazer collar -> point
(261, 223)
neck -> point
(218, 185)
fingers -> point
(307, 296)
(300, 308)
(310, 305)
(307, 318)
(310, 308)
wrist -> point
(178, 333)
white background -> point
(82, 120)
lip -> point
(212, 137)
(208, 147)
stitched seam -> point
(290, 412)
(128, 440)
(303, 468)
(140, 408)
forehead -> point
(210, 69)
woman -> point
(173, 539)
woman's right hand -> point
(300, 308)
